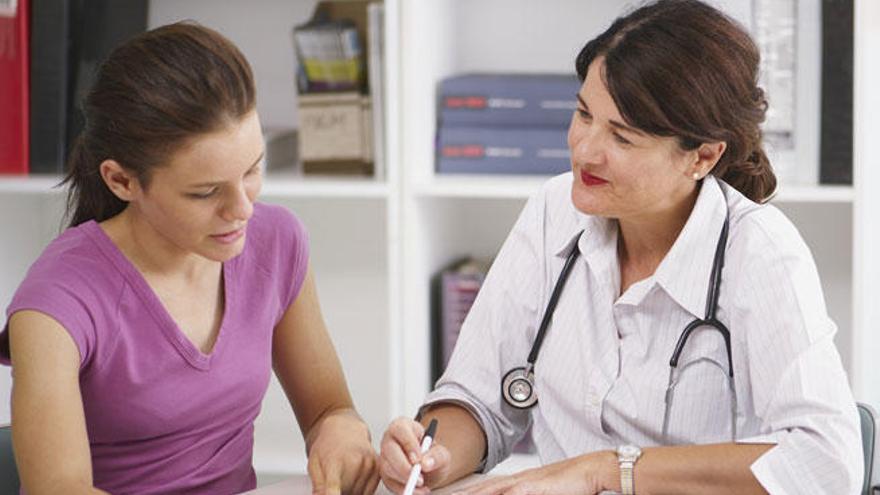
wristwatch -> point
(627, 455)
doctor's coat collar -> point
(684, 272)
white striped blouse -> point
(603, 369)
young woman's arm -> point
(341, 458)
(48, 423)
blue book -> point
(502, 150)
(532, 100)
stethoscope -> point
(518, 384)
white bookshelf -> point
(489, 186)
(375, 244)
(814, 194)
(478, 186)
(311, 187)
(30, 184)
(275, 185)
(462, 186)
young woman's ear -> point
(120, 181)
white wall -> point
(263, 31)
(27, 222)
(348, 258)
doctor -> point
(687, 348)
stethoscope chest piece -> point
(518, 388)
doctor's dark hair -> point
(152, 96)
(681, 68)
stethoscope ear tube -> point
(554, 299)
(518, 385)
(711, 306)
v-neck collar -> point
(170, 329)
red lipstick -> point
(591, 180)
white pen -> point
(427, 440)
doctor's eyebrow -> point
(217, 183)
(618, 125)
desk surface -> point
(300, 485)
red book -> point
(14, 87)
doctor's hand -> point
(401, 450)
(587, 474)
(341, 458)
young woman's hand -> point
(401, 449)
(587, 474)
(341, 458)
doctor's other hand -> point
(341, 458)
(589, 474)
(401, 450)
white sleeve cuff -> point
(770, 438)
(765, 468)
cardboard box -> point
(335, 129)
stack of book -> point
(49, 54)
(456, 288)
(339, 81)
(505, 123)
(14, 87)
(330, 56)
(836, 146)
(454, 291)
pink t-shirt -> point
(163, 417)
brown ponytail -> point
(753, 176)
(682, 68)
(151, 96)
(88, 194)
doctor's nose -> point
(586, 146)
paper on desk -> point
(448, 490)
(300, 485)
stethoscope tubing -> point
(551, 306)
(710, 320)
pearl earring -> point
(696, 176)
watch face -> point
(629, 451)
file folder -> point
(14, 87)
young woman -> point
(659, 327)
(143, 338)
